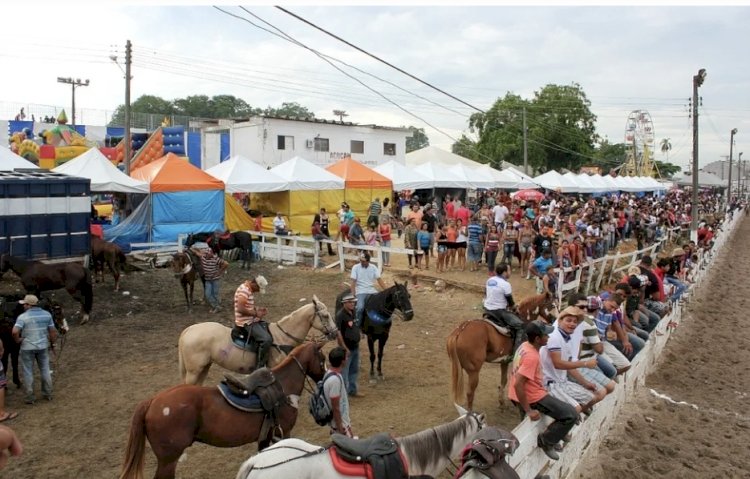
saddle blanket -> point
(378, 318)
(395, 466)
(248, 404)
(500, 329)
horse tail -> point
(132, 467)
(457, 375)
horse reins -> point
(322, 329)
(470, 414)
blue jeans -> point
(679, 286)
(491, 257)
(360, 308)
(635, 341)
(211, 292)
(41, 356)
(508, 250)
(350, 371)
(649, 320)
(386, 255)
(606, 366)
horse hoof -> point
(381, 377)
(85, 319)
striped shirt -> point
(35, 325)
(375, 208)
(211, 267)
(589, 338)
(474, 231)
(603, 320)
(244, 301)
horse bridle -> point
(323, 328)
(469, 414)
(398, 302)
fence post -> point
(316, 246)
(340, 250)
(278, 247)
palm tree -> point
(666, 145)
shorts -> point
(461, 245)
(618, 360)
(475, 252)
(524, 248)
(451, 245)
(570, 392)
(593, 376)
(442, 248)
(426, 249)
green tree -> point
(417, 140)
(144, 104)
(228, 106)
(666, 147)
(292, 110)
(467, 148)
(500, 131)
(195, 105)
(608, 155)
(666, 169)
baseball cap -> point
(538, 328)
(349, 297)
(593, 303)
(678, 252)
(30, 299)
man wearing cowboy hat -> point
(248, 318)
(35, 331)
(348, 337)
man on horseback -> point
(248, 318)
(499, 304)
(365, 276)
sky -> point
(624, 58)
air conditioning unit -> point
(309, 143)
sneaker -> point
(548, 450)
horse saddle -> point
(377, 457)
(261, 384)
(244, 340)
(501, 328)
(486, 454)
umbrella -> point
(528, 195)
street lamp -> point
(697, 81)
(73, 83)
(731, 144)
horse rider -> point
(248, 318)
(499, 304)
(365, 276)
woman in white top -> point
(461, 241)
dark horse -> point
(104, 252)
(225, 241)
(37, 277)
(377, 319)
(187, 267)
(10, 309)
(175, 418)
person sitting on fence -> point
(356, 233)
(665, 266)
(627, 296)
(615, 342)
(539, 268)
(279, 225)
(655, 309)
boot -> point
(517, 340)
(262, 360)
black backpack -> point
(320, 409)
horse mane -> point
(379, 300)
(290, 315)
(289, 358)
(427, 448)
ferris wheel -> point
(639, 144)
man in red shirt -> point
(528, 393)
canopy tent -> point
(310, 188)
(600, 186)
(472, 177)
(553, 180)
(610, 182)
(432, 154)
(235, 218)
(242, 175)
(10, 161)
(501, 179)
(705, 180)
(654, 183)
(402, 177)
(524, 180)
(584, 186)
(362, 184)
(183, 199)
(440, 176)
(104, 176)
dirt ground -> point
(707, 365)
(128, 352)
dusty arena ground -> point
(706, 364)
(128, 352)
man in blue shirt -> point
(35, 331)
(539, 268)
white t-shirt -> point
(365, 279)
(279, 223)
(496, 290)
(556, 342)
(500, 212)
(334, 387)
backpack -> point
(320, 409)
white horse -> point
(203, 344)
(426, 453)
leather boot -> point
(262, 360)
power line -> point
(377, 58)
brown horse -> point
(538, 305)
(186, 266)
(37, 277)
(175, 418)
(104, 252)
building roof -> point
(172, 173)
(320, 121)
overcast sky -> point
(624, 58)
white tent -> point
(584, 186)
(501, 179)
(524, 180)
(242, 175)
(440, 176)
(553, 180)
(472, 177)
(598, 182)
(10, 161)
(303, 175)
(655, 184)
(432, 154)
(403, 178)
(610, 182)
(104, 176)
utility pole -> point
(731, 145)
(697, 81)
(128, 77)
(73, 83)
(740, 175)
(525, 146)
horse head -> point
(323, 321)
(402, 300)
(309, 356)
(181, 264)
(4, 263)
(58, 317)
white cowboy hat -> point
(262, 283)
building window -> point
(389, 149)
(285, 142)
(357, 146)
(321, 144)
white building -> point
(270, 141)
